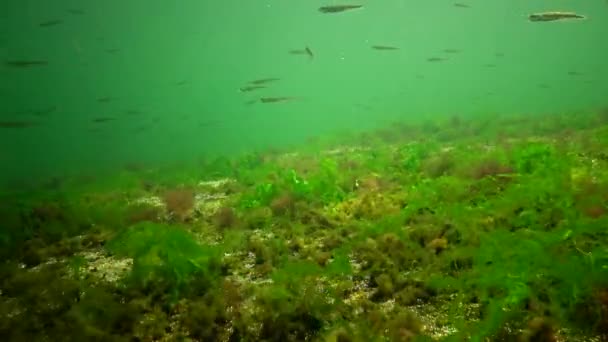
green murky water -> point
(261, 170)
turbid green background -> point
(217, 46)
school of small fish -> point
(257, 85)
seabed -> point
(450, 230)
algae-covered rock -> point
(166, 258)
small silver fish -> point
(338, 8)
(277, 99)
(264, 80)
(251, 88)
(384, 47)
(306, 51)
(554, 16)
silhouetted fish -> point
(384, 47)
(306, 51)
(436, 59)
(105, 99)
(251, 88)
(499, 54)
(112, 51)
(574, 73)
(102, 119)
(451, 50)
(461, 5)
(276, 99)
(489, 65)
(338, 8)
(25, 64)
(17, 124)
(264, 81)
(553, 16)
(51, 23)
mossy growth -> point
(54, 220)
(262, 195)
(552, 274)
(296, 307)
(179, 203)
(166, 259)
(534, 156)
(142, 212)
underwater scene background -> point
(273, 170)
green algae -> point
(497, 227)
(166, 259)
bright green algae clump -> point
(166, 258)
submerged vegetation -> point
(456, 229)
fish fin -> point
(309, 52)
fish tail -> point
(309, 52)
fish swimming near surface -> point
(25, 64)
(51, 23)
(451, 50)
(112, 51)
(276, 99)
(461, 5)
(264, 81)
(306, 51)
(436, 59)
(251, 88)
(338, 8)
(105, 99)
(384, 47)
(554, 16)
